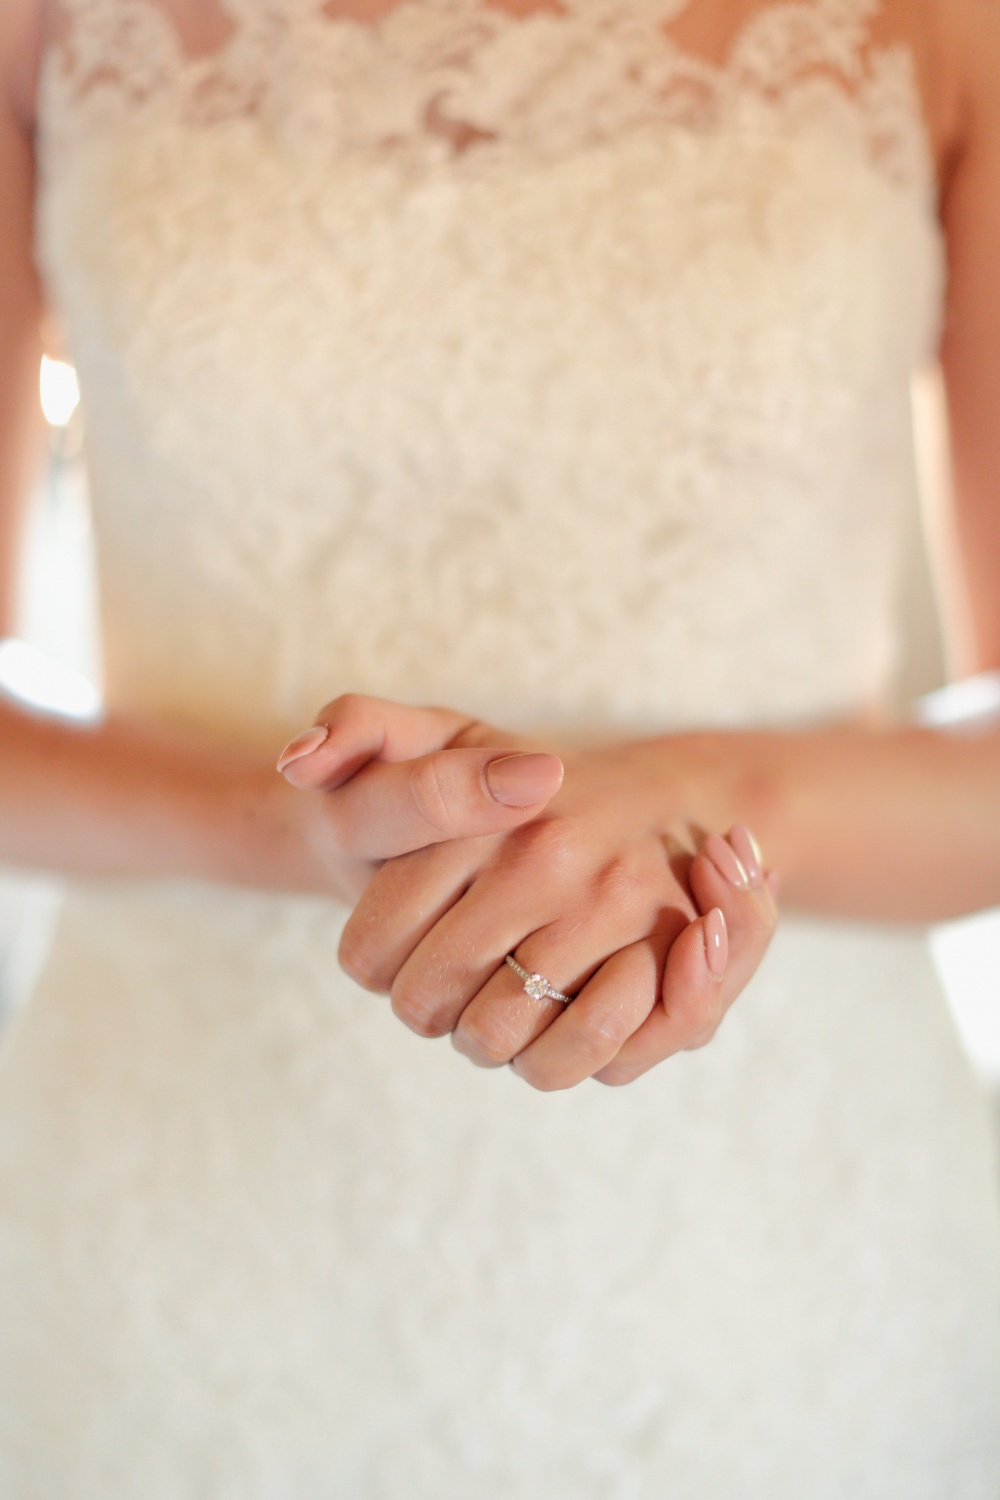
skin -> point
(591, 892)
(861, 821)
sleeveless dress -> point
(529, 365)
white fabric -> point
(590, 409)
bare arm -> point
(20, 324)
(895, 825)
(124, 798)
(971, 347)
(902, 824)
(113, 799)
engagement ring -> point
(536, 985)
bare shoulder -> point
(969, 39)
(955, 47)
(22, 27)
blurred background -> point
(54, 664)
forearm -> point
(896, 824)
(20, 344)
(119, 799)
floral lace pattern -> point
(656, 315)
(450, 75)
(403, 175)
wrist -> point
(703, 781)
(266, 838)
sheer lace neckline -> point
(221, 27)
(470, 80)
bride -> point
(546, 360)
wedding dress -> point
(534, 365)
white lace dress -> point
(530, 366)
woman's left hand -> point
(654, 941)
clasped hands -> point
(458, 844)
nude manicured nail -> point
(523, 780)
(748, 850)
(716, 942)
(303, 745)
(725, 861)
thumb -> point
(390, 809)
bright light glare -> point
(973, 704)
(45, 683)
(59, 391)
(967, 954)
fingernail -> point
(748, 850)
(303, 745)
(774, 884)
(716, 942)
(725, 861)
(523, 780)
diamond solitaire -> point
(536, 985)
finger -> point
(405, 900)
(728, 873)
(387, 810)
(592, 1030)
(355, 729)
(727, 876)
(457, 980)
(502, 1020)
(689, 1009)
(462, 959)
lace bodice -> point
(524, 362)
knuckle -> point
(627, 881)
(768, 923)
(360, 962)
(763, 933)
(610, 1026)
(618, 1075)
(543, 1077)
(428, 794)
(706, 1022)
(417, 1009)
(699, 1039)
(476, 735)
(337, 824)
(348, 708)
(491, 1041)
(760, 928)
(554, 844)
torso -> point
(472, 201)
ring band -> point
(536, 985)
